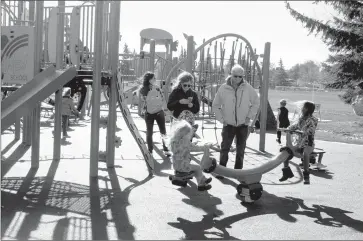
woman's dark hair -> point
(146, 79)
(144, 90)
(310, 106)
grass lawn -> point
(339, 123)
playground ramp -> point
(24, 100)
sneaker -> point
(204, 187)
(208, 180)
(167, 153)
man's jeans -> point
(228, 134)
(160, 120)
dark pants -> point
(228, 134)
(160, 120)
(279, 132)
(65, 120)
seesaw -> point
(250, 188)
(291, 137)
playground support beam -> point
(152, 55)
(264, 95)
(114, 57)
(190, 54)
(58, 94)
(96, 87)
(35, 137)
(27, 117)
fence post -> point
(264, 95)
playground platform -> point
(59, 201)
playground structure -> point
(102, 54)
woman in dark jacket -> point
(183, 97)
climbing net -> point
(213, 67)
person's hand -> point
(247, 122)
(190, 105)
(184, 101)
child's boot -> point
(286, 174)
(204, 187)
(306, 177)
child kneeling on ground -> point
(307, 124)
(181, 146)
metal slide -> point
(24, 100)
(131, 125)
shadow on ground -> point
(285, 208)
(39, 196)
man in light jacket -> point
(235, 105)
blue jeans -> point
(228, 134)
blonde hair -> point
(180, 135)
(184, 77)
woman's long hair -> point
(146, 82)
(182, 78)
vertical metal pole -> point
(264, 95)
(27, 118)
(114, 46)
(152, 55)
(37, 56)
(58, 94)
(96, 87)
(20, 12)
(190, 57)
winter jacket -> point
(68, 106)
(233, 106)
(178, 94)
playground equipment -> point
(64, 26)
(217, 76)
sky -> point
(258, 21)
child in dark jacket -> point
(67, 109)
(282, 118)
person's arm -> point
(196, 107)
(255, 104)
(278, 117)
(310, 127)
(217, 106)
(173, 100)
(142, 101)
(294, 126)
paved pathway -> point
(59, 201)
